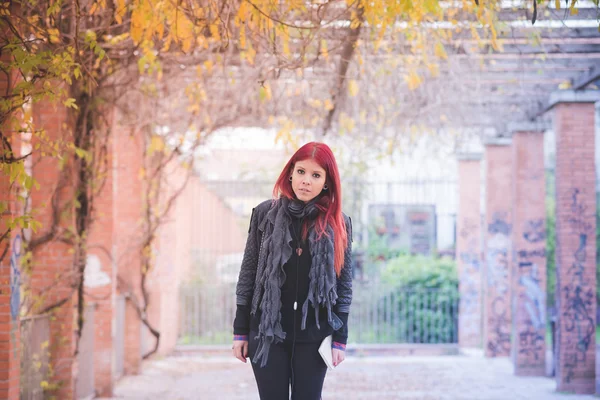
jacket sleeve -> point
(344, 291)
(246, 278)
(344, 281)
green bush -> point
(420, 272)
(425, 295)
(550, 239)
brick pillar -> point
(575, 241)
(100, 283)
(468, 250)
(52, 273)
(10, 281)
(128, 213)
(529, 241)
(10, 257)
(497, 248)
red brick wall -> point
(529, 241)
(468, 251)
(51, 273)
(497, 307)
(575, 247)
(10, 271)
(100, 284)
(128, 194)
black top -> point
(295, 289)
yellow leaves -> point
(157, 144)
(413, 80)
(214, 32)
(208, 66)
(347, 124)
(265, 92)
(5, 9)
(120, 11)
(138, 17)
(352, 87)
(249, 54)
(54, 35)
(114, 40)
(328, 105)
(324, 50)
(285, 132)
(243, 40)
(70, 103)
(434, 69)
(440, 51)
(565, 85)
(284, 38)
(194, 108)
(315, 103)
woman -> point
(295, 282)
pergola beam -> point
(589, 76)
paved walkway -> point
(463, 377)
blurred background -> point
(138, 136)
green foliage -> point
(378, 249)
(425, 296)
(550, 239)
(421, 272)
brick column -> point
(497, 247)
(128, 214)
(10, 257)
(10, 281)
(575, 240)
(51, 273)
(468, 250)
(99, 281)
(529, 241)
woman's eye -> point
(317, 176)
(300, 171)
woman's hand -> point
(240, 349)
(338, 356)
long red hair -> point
(330, 201)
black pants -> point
(305, 371)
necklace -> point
(297, 237)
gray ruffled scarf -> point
(275, 251)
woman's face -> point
(308, 179)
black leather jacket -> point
(247, 281)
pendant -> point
(299, 251)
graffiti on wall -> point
(470, 282)
(532, 297)
(497, 264)
(578, 297)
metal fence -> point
(207, 313)
(379, 314)
(35, 338)
(388, 218)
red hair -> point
(330, 201)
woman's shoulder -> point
(348, 222)
(262, 208)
